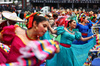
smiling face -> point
(72, 24)
(42, 28)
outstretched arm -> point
(57, 50)
(97, 22)
(87, 38)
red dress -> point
(10, 38)
(3, 56)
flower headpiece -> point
(82, 16)
(31, 17)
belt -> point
(65, 45)
(84, 34)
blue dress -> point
(84, 30)
(76, 55)
(46, 36)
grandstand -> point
(94, 4)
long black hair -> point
(38, 19)
(69, 22)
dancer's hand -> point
(93, 35)
(50, 56)
(57, 50)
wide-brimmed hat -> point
(12, 16)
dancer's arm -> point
(51, 55)
(57, 50)
(97, 22)
(52, 30)
(87, 38)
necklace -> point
(26, 32)
(69, 30)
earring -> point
(38, 37)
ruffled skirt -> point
(76, 55)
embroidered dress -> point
(11, 38)
(75, 55)
(40, 50)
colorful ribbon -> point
(40, 50)
(81, 16)
(31, 17)
(96, 48)
(4, 47)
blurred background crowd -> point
(86, 13)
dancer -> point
(16, 37)
(83, 27)
(70, 54)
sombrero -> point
(12, 16)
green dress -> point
(76, 55)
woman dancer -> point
(70, 54)
(83, 27)
(17, 37)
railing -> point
(68, 1)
